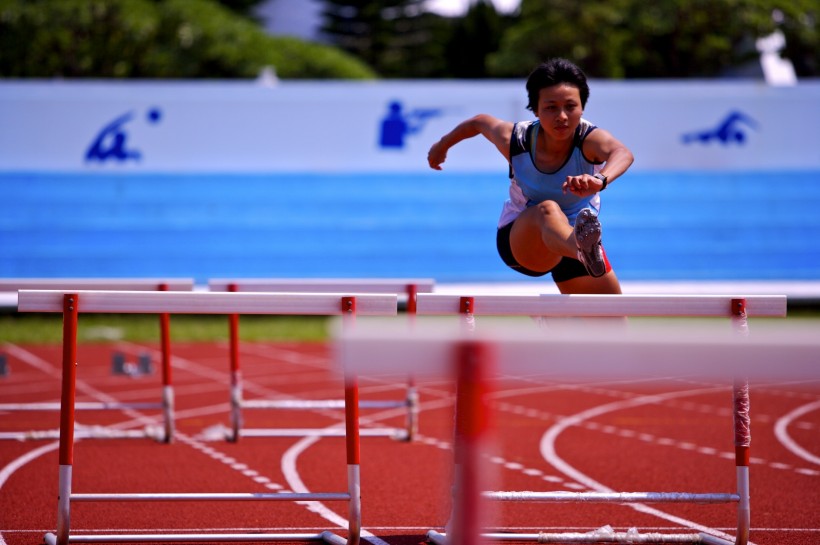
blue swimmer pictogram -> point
(731, 130)
(111, 141)
(396, 125)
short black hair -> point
(553, 72)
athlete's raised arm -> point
(601, 147)
(604, 147)
(497, 131)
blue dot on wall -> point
(154, 115)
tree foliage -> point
(608, 38)
(400, 39)
(473, 39)
(243, 7)
(383, 33)
(147, 39)
(662, 39)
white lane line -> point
(136, 416)
(551, 456)
(294, 480)
(290, 457)
(16, 464)
(649, 438)
(781, 431)
(389, 529)
(232, 463)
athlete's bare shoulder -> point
(498, 131)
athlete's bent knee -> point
(549, 208)
(549, 211)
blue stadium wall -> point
(312, 179)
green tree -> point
(243, 7)
(147, 39)
(667, 38)
(395, 37)
(799, 21)
(472, 39)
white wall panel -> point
(241, 127)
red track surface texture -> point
(670, 436)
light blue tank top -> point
(538, 186)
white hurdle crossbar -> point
(406, 288)
(72, 303)
(734, 307)
(167, 402)
(601, 305)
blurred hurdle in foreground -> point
(473, 350)
(406, 289)
(73, 303)
(167, 402)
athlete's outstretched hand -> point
(437, 155)
(584, 185)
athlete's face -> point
(560, 110)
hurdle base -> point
(96, 432)
(440, 538)
(326, 536)
(392, 433)
(435, 537)
(714, 540)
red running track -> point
(669, 436)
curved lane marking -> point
(14, 465)
(552, 457)
(781, 431)
(293, 479)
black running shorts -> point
(567, 269)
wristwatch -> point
(601, 177)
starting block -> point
(120, 365)
(4, 366)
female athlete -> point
(559, 163)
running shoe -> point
(588, 239)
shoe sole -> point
(588, 239)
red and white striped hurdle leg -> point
(473, 363)
(352, 439)
(411, 422)
(70, 317)
(167, 388)
(743, 432)
(236, 374)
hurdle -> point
(404, 288)
(735, 308)
(71, 304)
(11, 286)
(433, 350)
